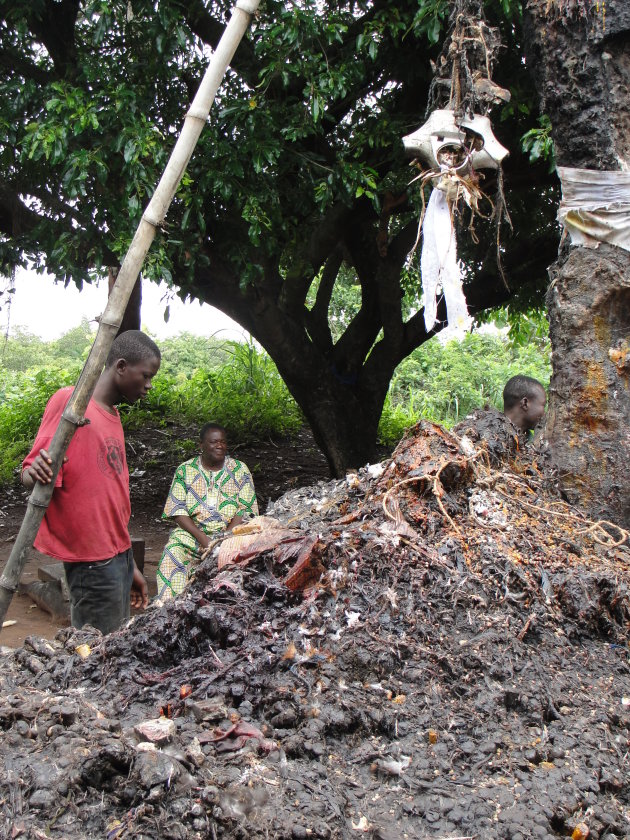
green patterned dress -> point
(212, 500)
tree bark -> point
(589, 415)
(132, 319)
(583, 68)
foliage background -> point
(239, 386)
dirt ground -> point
(433, 648)
(277, 466)
(30, 619)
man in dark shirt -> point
(524, 402)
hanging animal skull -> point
(452, 150)
(442, 143)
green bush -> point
(23, 350)
(23, 399)
(187, 353)
(245, 393)
(73, 345)
(395, 420)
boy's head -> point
(133, 346)
(524, 400)
(133, 360)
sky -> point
(48, 310)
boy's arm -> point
(139, 589)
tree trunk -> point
(132, 319)
(583, 68)
(344, 419)
(589, 416)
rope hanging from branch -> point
(462, 80)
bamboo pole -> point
(152, 218)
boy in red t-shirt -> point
(86, 522)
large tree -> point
(581, 56)
(299, 180)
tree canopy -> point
(298, 184)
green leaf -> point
(434, 31)
(130, 150)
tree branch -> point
(15, 64)
(53, 24)
(317, 319)
(327, 234)
(16, 218)
(356, 342)
(209, 30)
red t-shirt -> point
(88, 516)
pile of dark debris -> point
(433, 647)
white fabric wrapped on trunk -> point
(439, 265)
(595, 206)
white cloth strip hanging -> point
(439, 265)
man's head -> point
(213, 444)
(133, 361)
(524, 400)
(211, 427)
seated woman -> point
(210, 493)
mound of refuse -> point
(432, 647)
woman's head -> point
(208, 427)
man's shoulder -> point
(234, 465)
(55, 405)
(491, 429)
(61, 396)
(483, 418)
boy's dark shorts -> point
(100, 592)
